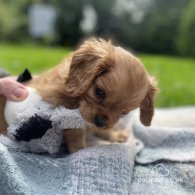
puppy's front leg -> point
(75, 139)
(3, 124)
(113, 135)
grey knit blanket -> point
(160, 160)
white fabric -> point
(13, 108)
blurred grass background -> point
(38, 34)
(175, 75)
(15, 58)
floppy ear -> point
(147, 105)
(88, 62)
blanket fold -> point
(171, 144)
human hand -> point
(12, 90)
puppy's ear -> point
(88, 62)
(147, 105)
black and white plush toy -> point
(37, 126)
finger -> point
(13, 90)
(18, 94)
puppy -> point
(104, 81)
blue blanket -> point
(160, 160)
(96, 170)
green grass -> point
(176, 76)
(15, 58)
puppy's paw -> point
(74, 148)
(74, 139)
(119, 136)
(113, 136)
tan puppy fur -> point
(104, 82)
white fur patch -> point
(13, 108)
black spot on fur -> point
(34, 128)
(25, 76)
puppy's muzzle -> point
(100, 121)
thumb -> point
(19, 93)
(12, 89)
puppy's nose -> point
(100, 121)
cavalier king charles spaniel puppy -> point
(104, 81)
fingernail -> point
(20, 92)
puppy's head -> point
(110, 82)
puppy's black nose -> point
(100, 121)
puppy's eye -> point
(124, 113)
(100, 93)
